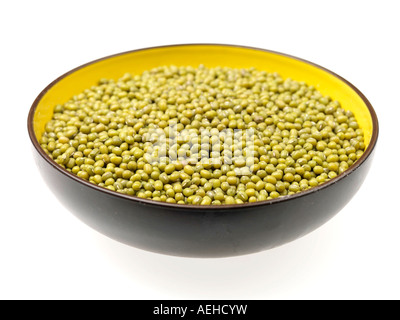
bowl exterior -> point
(201, 232)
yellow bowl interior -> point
(136, 62)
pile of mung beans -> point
(203, 136)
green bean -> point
(203, 136)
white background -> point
(46, 253)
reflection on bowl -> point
(202, 231)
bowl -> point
(202, 231)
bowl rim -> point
(223, 207)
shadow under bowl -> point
(202, 231)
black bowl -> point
(202, 231)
